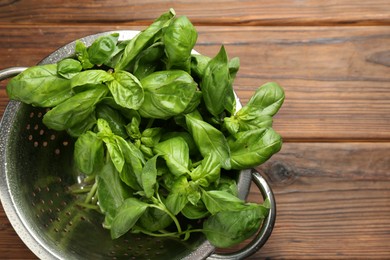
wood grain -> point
(336, 79)
(333, 201)
(203, 12)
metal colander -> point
(36, 173)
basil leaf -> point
(75, 109)
(266, 101)
(154, 219)
(254, 147)
(115, 152)
(209, 140)
(167, 93)
(198, 65)
(126, 90)
(39, 86)
(176, 154)
(133, 161)
(227, 228)
(216, 85)
(88, 153)
(149, 60)
(102, 48)
(127, 215)
(216, 201)
(114, 119)
(179, 39)
(68, 67)
(149, 177)
(83, 126)
(207, 172)
(141, 41)
(132, 128)
(227, 184)
(197, 211)
(193, 150)
(90, 77)
(81, 52)
(151, 136)
(234, 66)
(177, 198)
(258, 112)
(111, 192)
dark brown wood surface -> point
(332, 176)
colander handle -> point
(266, 229)
(10, 72)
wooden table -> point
(332, 176)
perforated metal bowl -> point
(36, 171)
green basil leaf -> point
(198, 65)
(111, 192)
(104, 129)
(178, 196)
(149, 60)
(83, 126)
(266, 101)
(139, 42)
(209, 140)
(133, 162)
(216, 85)
(254, 147)
(258, 112)
(127, 216)
(39, 86)
(216, 201)
(207, 172)
(132, 128)
(115, 152)
(75, 109)
(154, 219)
(234, 66)
(114, 119)
(117, 54)
(194, 103)
(90, 77)
(193, 150)
(151, 136)
(88, 153)
(197, 211)
(228, 228)
(102, 48)
(176, 154)
(68, 67)
(227, 184)
(179, 39)
(149, 177)
(81, 52)
(126, 90)
(167, 93)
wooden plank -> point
(11, 246)
(336, 79)
(333, 201)
(223, 12)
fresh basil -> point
(126, 90)
(158, 140)
(167, 93)
(228, 228)
(40, 86)
(179, 40)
